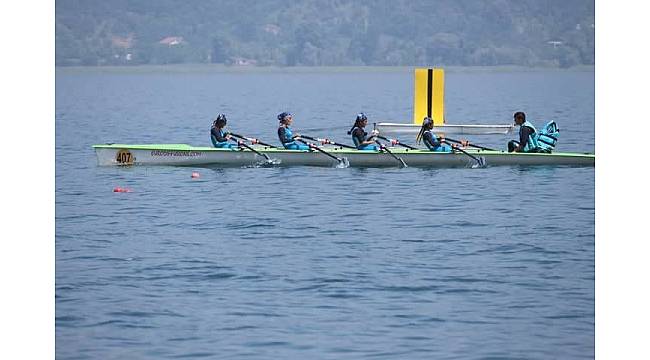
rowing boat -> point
(187, 155)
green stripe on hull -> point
(334, 150)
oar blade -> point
(343, 163)
(271, 162)
(480, 163)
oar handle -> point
(309, 137)
(397, 142)
(472, 145)
(249, 139)
(383, 147)
(241, 143)
(327, 141)
(464, 152)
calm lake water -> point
(323, 263)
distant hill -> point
(326, 32)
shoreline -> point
(220, 68)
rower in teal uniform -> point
(360, 138)
(218, 136)
(286, 135)
(430, 140)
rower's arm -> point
(431, 139)
(283, 135)
(523, 138)
(217, 135)
(359, 134)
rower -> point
(432, 142)
(360, 137)
(287, 138)
(218, 136)
(532, 141)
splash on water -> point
(481, 163)
(344, 163)
(268, 162)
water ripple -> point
(305, 262)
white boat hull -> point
(186, 155)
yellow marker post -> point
(419, 95)
(429, 95)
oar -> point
(382, 147)
(468, 144)
(253, 140)
(397, 142)
(241, 143)
(327, 141)
(479, 160)
(322, 151)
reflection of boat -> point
(412, 129)
(186, 155)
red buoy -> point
(121, 190)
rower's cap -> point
(361, 116)
(221, 119)
(284, 115)
(427, 121)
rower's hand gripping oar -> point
(480, 161)
(327, 141)
(342, 161)
(467, 143)
(396, 142)
(384, 148)
(252, 140)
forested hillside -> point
(326, 32)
